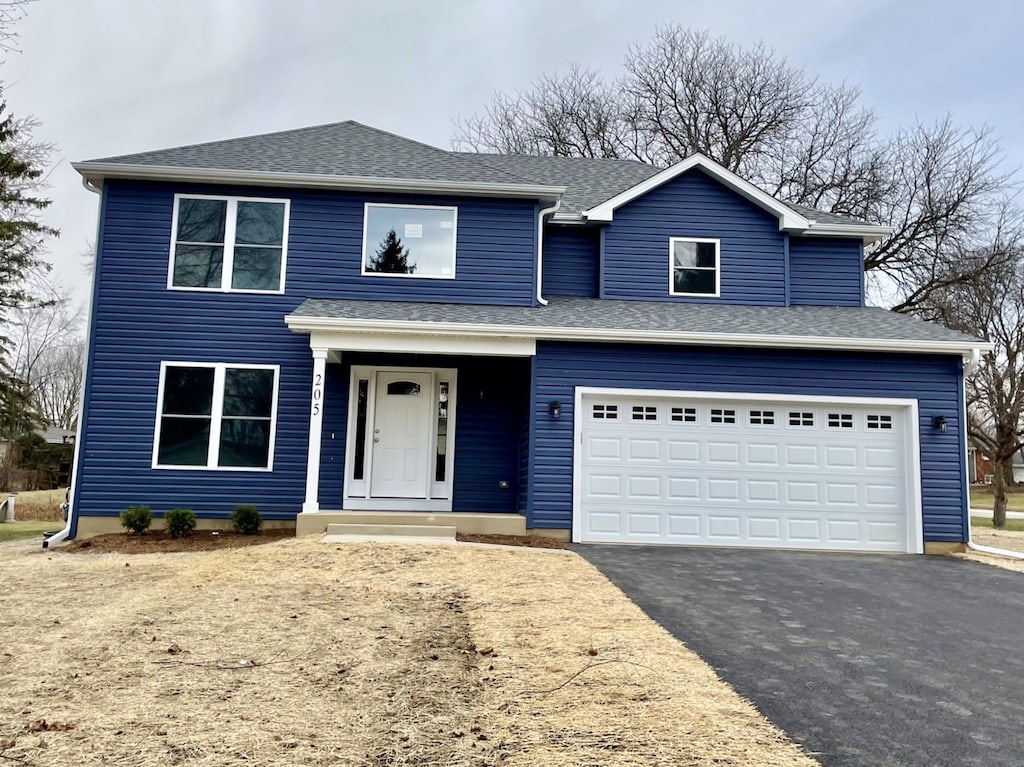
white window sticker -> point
(447, 224)
(413, 230)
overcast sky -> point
(110, 77)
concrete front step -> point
(407, 531)
(463, 522)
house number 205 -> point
(318, 392)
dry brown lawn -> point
(304, 653)
(39, 505)
(999, 539)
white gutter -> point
(419, 327)
(93, 171)
(62, 535)
(540, 248)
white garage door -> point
(742, 471)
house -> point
(337, 321)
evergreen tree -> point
(22, 235)
(391, 257)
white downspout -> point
(540, 249)
(62, 535)
(969, 367)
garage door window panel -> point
(801, 418)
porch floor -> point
(463, 522)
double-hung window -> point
(409, 240)
(228, 244)
(215, 416)
(693, 267)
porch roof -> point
(602, 320)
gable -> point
(751, 251)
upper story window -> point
(215, 416)
(229, 244)
(693, 267)
(409, 240)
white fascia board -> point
(95, 173)
(379, 328)
(788, 218)
(867, 232)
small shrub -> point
(179, 523)
(247, 520)
(136, 519)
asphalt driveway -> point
(863, 659)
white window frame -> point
(216, 415)
(672, 267)
(455, 239)
(230, 223)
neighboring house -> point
(336, 319)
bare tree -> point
(573, 115)
(47, 353)
(994, 308)
(939, 186)
(58, 383)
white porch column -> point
(316, 422)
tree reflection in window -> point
(392, 257)
(209, 253)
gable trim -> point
(788, 218)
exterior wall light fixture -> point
(555, 408)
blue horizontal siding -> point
(137, 322)
(826, 271)
(636, 243)
(933, 380)
(492, 403)
(495, 248)
(571, 260)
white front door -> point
(402, 427)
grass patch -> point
(1016, 525)
(12, 531)
(981, 498)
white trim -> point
(95, 172)
(356, 493)
(396, 504)
(314, 441)
(424, 343)
(455, 238)
(915, 514)
(230, 225)
(788, 218)
(216, 415)
(405, 331)
(672, 267)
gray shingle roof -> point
(867, 323)
(340, 149)
(588, 181)
(823, 216)
(352, 149)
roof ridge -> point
(289, 131)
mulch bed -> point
(531, 541)
(157, 541)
